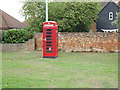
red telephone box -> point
(50, 39)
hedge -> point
(1, 33)
(16, 36)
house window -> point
(110, 15)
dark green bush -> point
(1, 34)
(16, 36)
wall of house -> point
(27, 46)
(103, 21)
(92, 42)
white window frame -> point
(110, 15)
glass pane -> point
(49, 45)
(49, 48)
(48, 29)
(49, 42)
(49, 39)
(49, 51)
(48, 36)
(48, 32)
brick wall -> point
(27, 46)
(96, 42)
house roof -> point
(8, 22)
(104, 4)
(26, 23)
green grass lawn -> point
(69, 70)
(0, 70)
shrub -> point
(1, 34)
(117, 21)
(17, 36)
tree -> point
(34, 13)
(117, 21)
(71, 16)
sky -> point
(12, 7)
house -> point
(8, 22)
(26, 23)
(106, 17)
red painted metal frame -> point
(50, 39)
